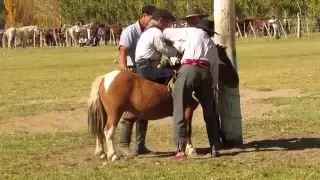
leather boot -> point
(125, 138)
(141, 133)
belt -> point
(132, 68)
(196, 62)
(145, 62)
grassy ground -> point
(280, 144)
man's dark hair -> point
(149, 9)
(162, 13)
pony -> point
(119, 91)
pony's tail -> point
(97, 116)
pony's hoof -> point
(190, 150)
(98, 152)
(113, 157)
(215, 154)
(103, 156)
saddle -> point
(172, 81)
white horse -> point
(72, 32)
(26, 32)
(71, 35)
(8, 37)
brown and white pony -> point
(118, 91)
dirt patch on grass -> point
(77, 120)
(49, 122)
(250, 108)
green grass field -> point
(279, 84)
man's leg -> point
(163, 75)
(141, 132)
(181, 94)
(179, 123)
(207, 102)
(126, 126)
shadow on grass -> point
(158, 155)
(291, 144)
(286, 144)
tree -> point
(2, 14)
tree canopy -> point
(121, 12)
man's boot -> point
(141, 132)
(125, 138)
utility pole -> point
(229, 98)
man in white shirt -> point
(197, 75)
(275, 25)
(194, 16)
(151, 46)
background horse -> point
(73, 33)
(121, 91)
(8, 37)
(24, 33)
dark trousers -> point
(151, 72)
(194, 79)
(126, 131)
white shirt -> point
(77, 28)
(129, 38)
(151, 45)
(274, 23)
(196, 44)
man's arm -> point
(124, 44)
(161, 46)
(123, 57)
(177, 36)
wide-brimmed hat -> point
(207, 26)
(193, 12)
(162, 13)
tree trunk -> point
(229, 98)
(299, 26)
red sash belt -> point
(196, 62)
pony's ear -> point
(221, 47)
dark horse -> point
(121, 91)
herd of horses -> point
(60, 37)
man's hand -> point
(179, 55)
(168, 42)
(123, 58)
(124, 67)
